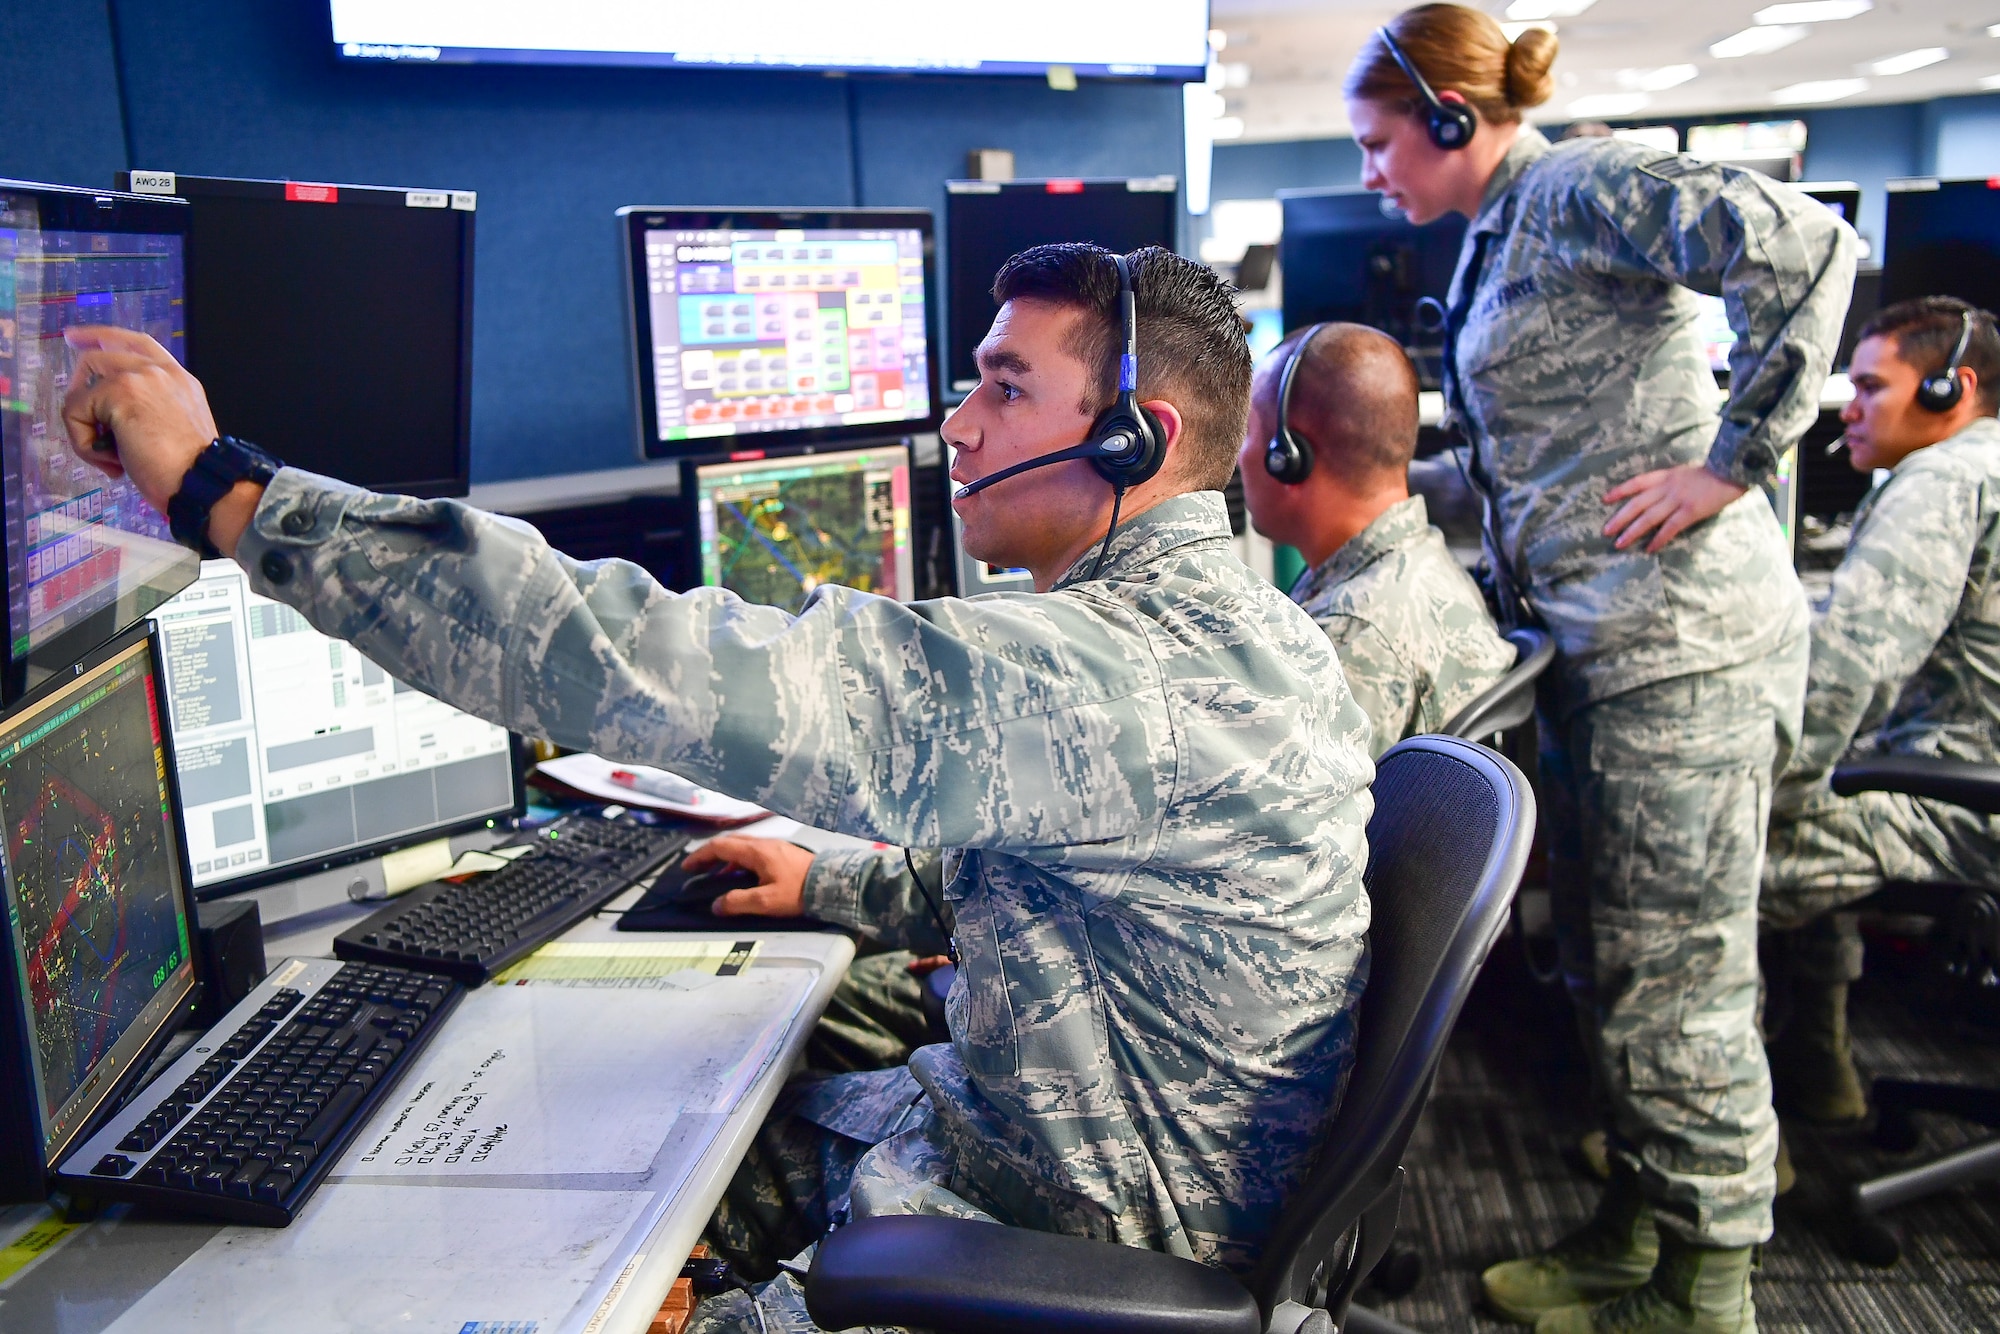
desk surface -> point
(96, 1273)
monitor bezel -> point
(1922, 186)
(635, 220)
(112, 211)
(265, 876)
(963, 196)
(691, 496)
(194, 189)
(16, 1059)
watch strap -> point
(216, 470)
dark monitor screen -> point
(296, 753)
(1344, 258)
(1942, 238)
(86, 556)
(986, 223)
(97, 899)
(1843, 197)
(783, 329)
(332, 324)
(772, 530)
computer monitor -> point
(986, 223)
(772, 530)
(296, 753)
(1942, 238)
(96, 961)
(1844, 198)
(1346, 257)
(787, 328)
(332, 324)
(86, 556)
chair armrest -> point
(957, 1276)
(1960, 782)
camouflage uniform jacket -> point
(1415, 641)
(1906, 650)
(1577, 367)
(1154, 785)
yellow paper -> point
(635, 963)
(32, 1245)
(415, 866)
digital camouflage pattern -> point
(881, 1012)
(1153, 786)
(1411, 629)
(1905, 660)
(1578, 367)
(1658, 800)
(1679, 677)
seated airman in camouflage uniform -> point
(1414, 638)
(1905, 660)
(1149, 775)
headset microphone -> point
(1113, 447)
(1449, 124)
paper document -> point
(578, 1081)
(623, 963)
(370, 1257)
(592, 776)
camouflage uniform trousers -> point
(1839, 849)
(1659, 799)
(805, 1174)
(880, 1013)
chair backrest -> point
(1510, 701)
(1446, 849)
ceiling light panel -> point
(1812, 11)
(1815, 91)
(1922, 58)
(1757, 42)
(1525, 11)
(1657, 80)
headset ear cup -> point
(1152, 453)
(1286, 459)
(1939, 393)
(1451, 126)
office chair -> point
(1447, 846)
(1968, 918)
(1510, 701)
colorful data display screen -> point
(773, 530)
(786, 330)
(293, 747)
(77, 542)
(95, 903)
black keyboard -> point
(472, 930)
(247, 1122)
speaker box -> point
(231, 955)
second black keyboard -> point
(471, 930)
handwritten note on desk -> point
(574, 1081)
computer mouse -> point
(705, 886)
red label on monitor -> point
(1993, 182)
(298, 192)
(1064, 187)
(744, 455)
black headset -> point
(1941, 392)
(1287, 457)
(1127, 444)
(1450, 123)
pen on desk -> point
(663, 787)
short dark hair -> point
(1192, 351)
(1354, 401)
(1926, 329)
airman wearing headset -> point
(1326, 469)
(1905, 660)
(1153, 748)
(1622, 514)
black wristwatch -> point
(221, 466)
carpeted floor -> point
(1495, 1173)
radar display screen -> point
(773, 530)
(95, 901)
(78, 543)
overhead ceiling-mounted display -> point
(1162, 39)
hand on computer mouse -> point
(780, 868)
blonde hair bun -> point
(1530, 60)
